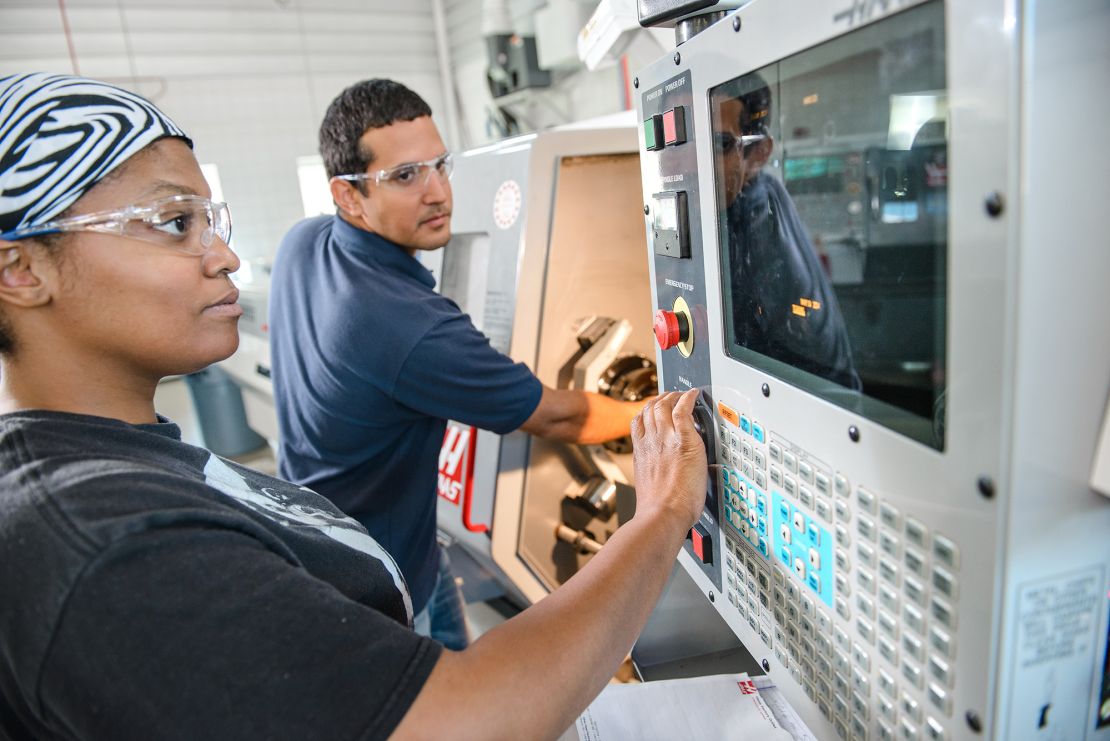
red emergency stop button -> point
(670, 328)
(702, 543)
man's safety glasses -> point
(410, 176)
(185, 223)
(727, 142)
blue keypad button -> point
(762, 525)
(814, 582)
(784, 555)
(757, 433)
(763, 548)
(761, 505)
(784, 511)
(814, 533)
(728, 514)
(746, 425)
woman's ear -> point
(21, 275)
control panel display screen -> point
(831, 178)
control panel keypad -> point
(806, 544)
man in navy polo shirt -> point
(369, 361)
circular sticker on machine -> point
(506, 204)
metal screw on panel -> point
(766, 665)
(677, 57)
(712, 597)
(636, 82)
(647, 209)
(853, 433)
(736, 23)
(766, 390)
(986, 487)
(994, 204)
(974, 722)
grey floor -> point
(172, 400)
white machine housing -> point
(969, 582)
(546, 236)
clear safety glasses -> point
(410, 176)
(727, 142)
(185, 223)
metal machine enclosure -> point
(546, 234)
(941, 572)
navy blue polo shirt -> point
(368, 364)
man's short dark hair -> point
(756, 116)
(370, 104)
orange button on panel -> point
(728, 414)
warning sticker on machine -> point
(1057, 619)
(1056, 637)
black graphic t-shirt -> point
(150, 589)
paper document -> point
(723, 706)
(784, 712)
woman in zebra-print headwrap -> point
(65, 145)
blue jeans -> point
(443, 618)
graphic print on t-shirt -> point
(274, 505)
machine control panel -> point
(673, 225)
(879, 361)
(859, 599)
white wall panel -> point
(574, 96)
(249, 80)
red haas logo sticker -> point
(453, 462)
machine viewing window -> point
(832, 192)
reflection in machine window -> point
(832, 189)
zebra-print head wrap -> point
(60, 135)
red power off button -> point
(702, 543)
(674, 126)
(670, 328)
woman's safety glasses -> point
(185, 223)
(410, 176)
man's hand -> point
(669, 458)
